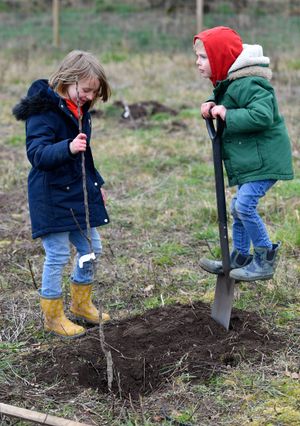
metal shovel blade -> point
(222, 305)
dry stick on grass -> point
(142, 409)
(209, 247)
(32, 274)
(36, 416)
(109, 361)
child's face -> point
(202, 61)
(87, 90)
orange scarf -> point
(73, 108)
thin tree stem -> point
(85, 193)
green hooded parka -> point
(255, 142)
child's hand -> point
(205, 109)
(218, 110)
(78, 144)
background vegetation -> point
(159, 178)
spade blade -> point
(222, 306)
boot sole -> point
(87, 320)
(75, 336)
(206, 269)
(211, 272)
(249, 279)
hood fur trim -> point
(252, 54)
(255, 71)
(32, 105)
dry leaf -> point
(149, 288)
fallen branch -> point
(36, 417)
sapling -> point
(91, 256)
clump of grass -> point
(116, 7)
(16, 140)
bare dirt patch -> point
(150, 350)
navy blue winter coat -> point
(55, 185)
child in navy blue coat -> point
(53, 110)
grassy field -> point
(159, 178)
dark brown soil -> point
(148, 351)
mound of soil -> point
(148, 351)
(143, 109)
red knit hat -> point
(223, 45)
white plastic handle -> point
(86, 258)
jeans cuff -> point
(51, 297)
(81, 283)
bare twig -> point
(85, 194)
(109, 361)
(78, 225)
(119, 384)
(110, 249)
(142, 409)
(107, 353)
(32, 274)
(209, 247)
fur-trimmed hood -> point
(40, 98)
(251, 62)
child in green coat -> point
(255, 145)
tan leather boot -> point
(55, 320)
(82, 305)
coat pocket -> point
(66, 195)
(241, 155)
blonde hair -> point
(78, 65)
(197, 45)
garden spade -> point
(224, 292)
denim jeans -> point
(57, 249)
(247, 224)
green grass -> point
(115, 7)
(138, 30)
(16, 140)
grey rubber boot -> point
(262, 266)
(237, 260)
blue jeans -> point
(247, 224)
(57, 249)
